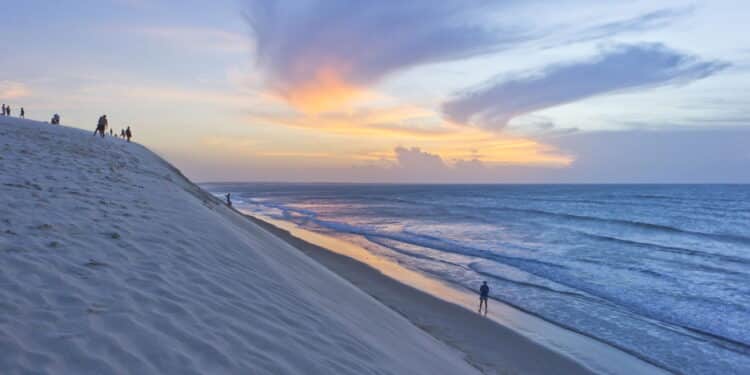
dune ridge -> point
(111, 261)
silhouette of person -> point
(23, 113)
(484, 293)
(3, 109)
(229, 199)
(7, 110)
(122, 133)
(128, 133)
(101, 125)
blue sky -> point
(390, 91)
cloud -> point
(13, 90)
(643, 22)
(624, 67)
(415, 158)
(319, 53)
(412, 164)
(674, 156)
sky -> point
(452, 91)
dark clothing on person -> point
(3, 109)
(229, 199)
(484, 291)
(128, 133)
(23, 113)
(101, 125)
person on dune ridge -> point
(101, 125)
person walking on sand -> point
(128, 133)
(3, 109)
(484, 294)
(7, 110)
(229, 199)
(23, 113)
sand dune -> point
(112, 262)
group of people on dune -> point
(6, 111)
(103, 124)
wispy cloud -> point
(624, 67)
(642, 22)
(320, 54)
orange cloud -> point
(326, 91)
(370, 134)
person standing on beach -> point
(128, 133)
(3, 109)
(23, 113)
(484, 294)
(229, 199)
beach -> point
(113, 262)
(488, 345)
(446, 313)
(609, 275)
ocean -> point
(659, 271)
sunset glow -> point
(260, 91)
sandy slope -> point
(111, 262)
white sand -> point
(112, 262)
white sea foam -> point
(659, 271)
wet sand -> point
(489, 346)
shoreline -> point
(434, 305)
(487, 345)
